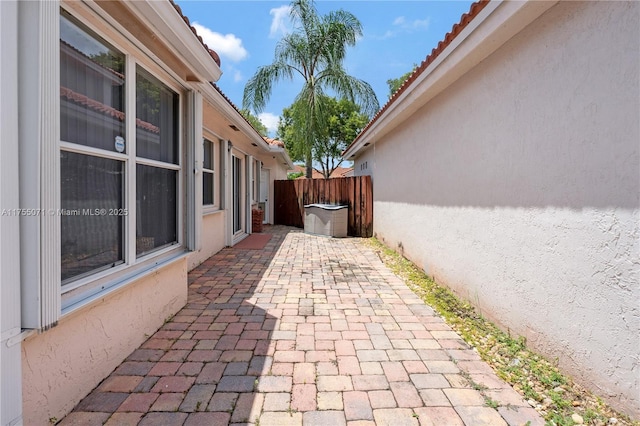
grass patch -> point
(542, 384)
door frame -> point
(237, 205)
(265, 200)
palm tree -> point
(315, 51)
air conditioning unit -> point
(326, 219)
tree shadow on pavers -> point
(207, 364)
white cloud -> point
(281, 23)
(228, 46)
(230, 72)
(421, 23)
(388, 34)
(401, 25)
(417, 24)
(269, 120)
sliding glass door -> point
(236, 172)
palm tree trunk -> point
(310, 139)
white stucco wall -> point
(63, 364)
(519, 187)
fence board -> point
(290, 197)
(367, 200)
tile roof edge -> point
(273, 141)
(226, 98)
(214, 55)
(457, 28)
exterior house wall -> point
(364, 164)
(57, 353)
(62, 365)
(212, 238)
(517, 187)
(59, 342)
(10, 314)
(227, 126)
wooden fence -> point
(357, 192)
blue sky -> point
(397, 35)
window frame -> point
(178, 168)
(94, 152)
(255, 167)
(215, 163)
(238, 189)
(83, 290)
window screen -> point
(92, 213)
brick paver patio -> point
(308, 331)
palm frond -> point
(316, 49)
(259, 87)
(346, 86)
(293, 50)
(311, 111)
(305, 14)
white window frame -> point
(255, 179)
(241, 195)
(215, 171)
(163, 165)
(84, 290)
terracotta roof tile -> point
(274, 142)
(211, 52)
(215, 86)
(449, 37)
(338, 172)
(105, 109)
(72, 50)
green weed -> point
(533, 376)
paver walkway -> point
(308, 331)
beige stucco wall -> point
(519, 187)
(212, 238)
(62, 365)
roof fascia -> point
(216, 99)
(498, 22)
(169, 26)
(283, 153)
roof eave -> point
(285, 156)
(214, 96)
(170, 26)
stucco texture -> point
(519, 188)
(212, 239)
(63, 364)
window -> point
(255, 175)
(236, 172)
(92, 88)
(157, 181)
(92, 119)
(208, 174)
(91, 239)
(113, 184)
